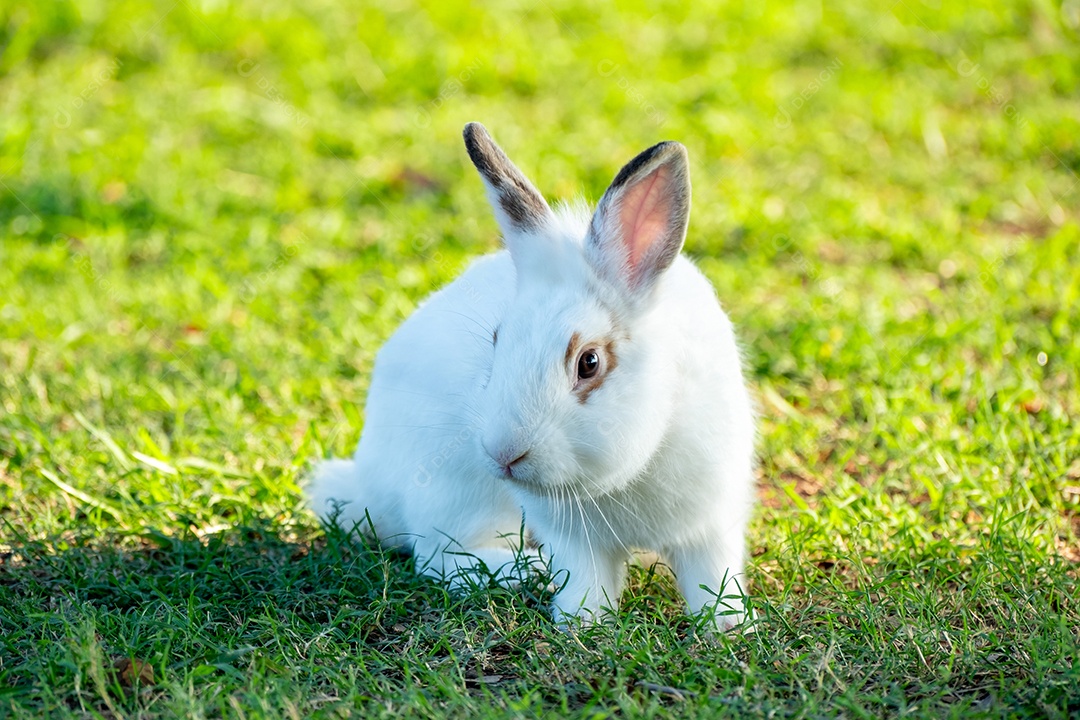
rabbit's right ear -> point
(518, 205)
(640, 223)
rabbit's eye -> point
(495, 336)
(588, 364)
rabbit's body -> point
(415, 473)
(587, 376)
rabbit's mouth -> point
(519, 476)
(537, 487)
(530, 474)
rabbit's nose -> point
(508, 468)
(508, 458)
(521, 456)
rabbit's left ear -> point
(518, 205)
(640, 223)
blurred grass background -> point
(213, 213)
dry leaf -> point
(1033, 406)
(130, 671)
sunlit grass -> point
(212, 215)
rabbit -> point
(585, 376)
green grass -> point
(213, 213)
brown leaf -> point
(113, 191)
(416, 180)
(129, 672)
(1033, 406)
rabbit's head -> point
(580, 387)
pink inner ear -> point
(644, 215)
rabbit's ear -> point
(518, 205)
(640, 223)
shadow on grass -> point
(248, 601)
(264, 613)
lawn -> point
(212, 214)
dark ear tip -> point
(474, 131)
(480, 146)
(672, 148)
(660, 153)
(475, 135)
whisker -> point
(588, 541)
(606, 522)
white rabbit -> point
(586, 375)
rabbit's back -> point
(441, 351)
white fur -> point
(658, 457)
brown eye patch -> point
(588, 364)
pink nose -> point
(508, 459)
